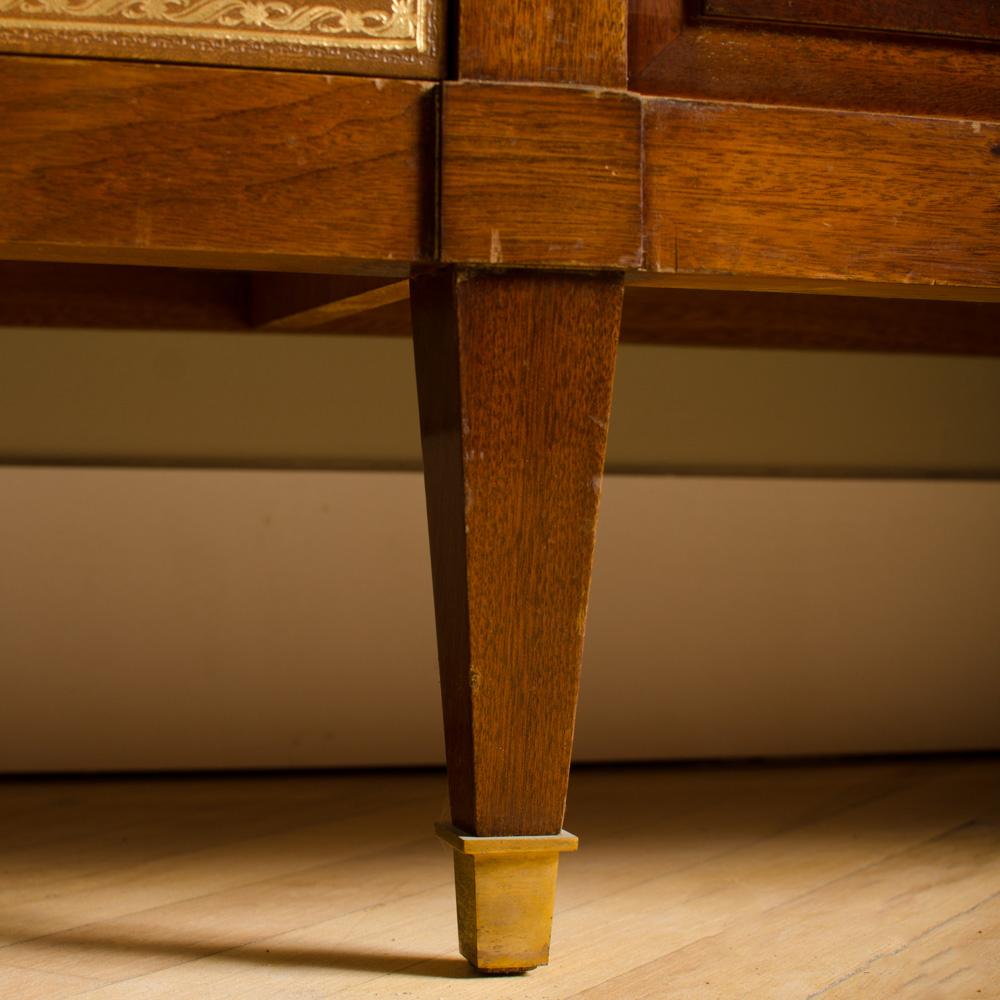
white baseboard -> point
(157, 619)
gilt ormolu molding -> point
(356, 35)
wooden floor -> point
(875, 880)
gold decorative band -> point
(539, 844)
(395, 24)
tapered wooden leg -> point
(514, 372)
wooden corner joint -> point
(540, 176)
(505, 891)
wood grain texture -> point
(543, 41)
(540, 176)
(652, 25)
(303, 302)
(971, 18)
(781, 65)
(870, 927)
(856, 881)
(371, 37)
(514, 376)
(131, 163)
(796, 193)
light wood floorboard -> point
(839, 881)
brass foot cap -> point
(505, 888)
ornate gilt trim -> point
(397, 24)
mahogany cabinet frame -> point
(574, 150)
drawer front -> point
(367, 37)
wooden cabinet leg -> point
(514, 372)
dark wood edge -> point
(299, 303)
(207, 260)
(856, 318)
(814, 286)
(947, 30)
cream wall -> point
(173, 619)
(159, 618)
(336, 401)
